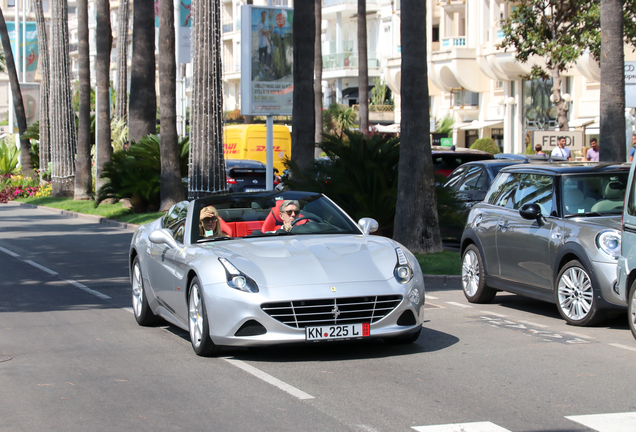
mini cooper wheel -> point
(198, 322)
(141, 308)
(575, 295)
(631, 308)
(473, 277)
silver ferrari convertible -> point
(250, 269)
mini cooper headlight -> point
(609, 243)
(403, 272)
(237, 279)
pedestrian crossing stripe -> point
(618, 422)
(462, 427)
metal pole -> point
(269, 172)
(177, 39)
(24, 41)
(16, 51)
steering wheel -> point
(308, 218)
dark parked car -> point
(469, 184)
(446, 160)
(244, 175)
(549, 232)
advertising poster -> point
(32, 51)
(182, 33)
(267, 60)
(630, 84)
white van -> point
(626, 269)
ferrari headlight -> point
(237, 279)
(403, 272)
(609, 243)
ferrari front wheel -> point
(141, 308)
(198, 323)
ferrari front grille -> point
(309, 313)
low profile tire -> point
(631, 309)
(473, 277)
(141, 308)
(575, 295)
(198, 322)
(404, 340)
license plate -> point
(342, 331)
(254, 189)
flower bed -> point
(14, 186)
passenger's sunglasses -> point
(209, 219)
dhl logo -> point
(262, 148)
(229, 146)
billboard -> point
(267, 83)
(630, 84)
(32, 51)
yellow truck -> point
(248, 141)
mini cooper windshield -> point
(225, 217)
(595, 194)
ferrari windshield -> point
(268, 214)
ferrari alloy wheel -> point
(631, 308)
(575, 295)
(141, 309)
(473, 277)
(198, 322)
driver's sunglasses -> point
(209, 219)
(289, 212)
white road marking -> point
(624, 347)
(618, 422)
(87, 289)
(494, 314)
(579, 335)
(8, 252)
(533, 324)
(367, 428)
(428, 297)
(269, 379)
(460, 305)
(41, 267)
(462, 427)
(129, 309)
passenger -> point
(289, 212)
(209, 225)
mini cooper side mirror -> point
(162, 236)
(530, 211)
(368, 225)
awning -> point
(580, 122)
(352, 92)
(476, 124)
(394, 128)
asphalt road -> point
(72, 358)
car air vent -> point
(251, 328)
(307, 313)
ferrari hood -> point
(294, 260)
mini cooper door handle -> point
(557, 236)
(503, 226)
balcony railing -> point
(348, 60)
(229, 67)
(228, 27)
(456, 41)
(326, 3)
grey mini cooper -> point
(549, 232)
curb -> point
(94, 218)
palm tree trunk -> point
(18, 104)
(416, 221)
(121, 104)
(84, 175)
(303, 117)
(207, 162)
(43, 47)
(142, 109)
(171, 189)
(318, 71)
(63, 137)
(612, 146)
(363, 68)
(557, 99)
(102, 73)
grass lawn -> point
(442, 263)
(110, 211)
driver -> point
(289, 211)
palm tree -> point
(416, 221)
(63, 137)
(43, 47)
(303, 118)
(318, 71)
(142, 108)
(612, 82)
(207, 163)
(171, 189)
(18, 104)
(121, 105)
(102, 73)
(363, 68)
(84, 175)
